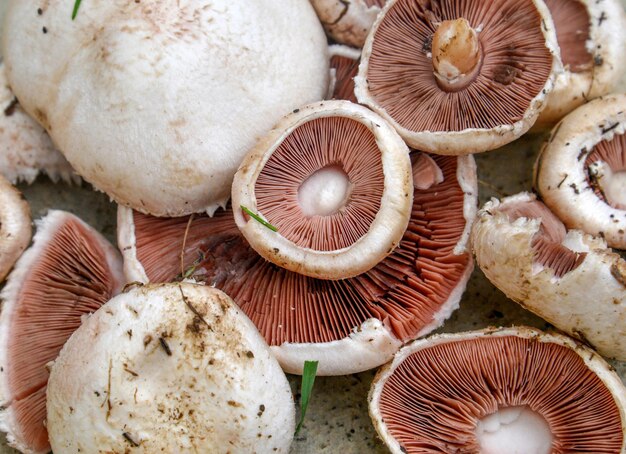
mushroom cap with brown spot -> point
(156, 102)
(562, 171)
(374, 214)
(587, 301)
(504, 96)
(169, 368)
(432, 395)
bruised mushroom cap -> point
(348, 325)
(459, 77)
(70, 270)
(335, 181)
(588, 33)
(513, 390)
(348, 22)
(169, 368)
(570, 279)
(344, 66)
(15, 228)
(25, 147)
(156, 103)
(581, 171)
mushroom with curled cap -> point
(569, 278)
(348, 22)
(499, 391)
(581, 170)
(592, 55)
(347, 325)
(335, 182)
(69, 271)
(175, 93)
(456, 77)
(169, 368)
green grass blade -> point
(258, 218)
(308, 379)
(75, 11)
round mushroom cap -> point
(459, 77)
(588, 34)
(156, 103)
(581, 170)
(169, 368)
(568, 278)
(348, 22)
(347, 325)
(69, 271)
(335, 184)
(499, 390)
(25, 147)
(15, 228)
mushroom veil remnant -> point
(581, 170)
(499, 391)
(571, 279)
(459, 77)
(335, 182)
(156, 102)
(348, 325)
(69, 271)
(171, 368)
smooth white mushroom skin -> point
(588, 302)
(499, 391)
(562, 177)
(169, 368)
(15, 226)
(348, 22)
(156, 102)
(25, 147)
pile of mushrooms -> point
(262, 226)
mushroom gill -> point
(344, 61)
(411, 291)
(518, 389)
(572, 22)
(69, 271)
(606, 170)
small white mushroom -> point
(569, 278)
(334, 179)
(499, 391)
(581, 171)
(171, 368)
(15, 226)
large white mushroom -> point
(156, 102)
(172, 368)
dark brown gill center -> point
(606, 170)
(572, 22)
(456, 54)
(546, 244)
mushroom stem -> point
(456, 54)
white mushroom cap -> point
(170, 368)
(15, 226)
(606, 46)
(25, 147)
(331, 198)
(447, 414)
(348, 22)
(156, 103)
(407, 76)
(565, 180)
(588, 301)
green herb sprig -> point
(308, 379)
(75, 10)
(258, 218)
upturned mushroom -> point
(459, 77)
(347, 325)
(344, 66)
(592, 56)
(332, 184)
(581, 170)
(499, 391)
(69, 271)
(348, 22)
(156, 103)
(569, 278)
(171, 368)
(15, 228)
